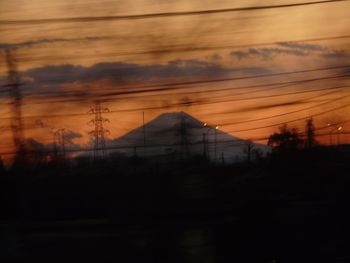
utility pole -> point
(99, 132)
(207, 140)
(15, 93)
(215, 143)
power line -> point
(178, 104)
(294, 120)
(139, 146)
(16, 103)
(272, 96)
(190, 48)
(233, 143)
(159, 15)
(287, 83)
(290, 112)
(286, 113)
(170, 86)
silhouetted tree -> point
(2, 167)
(286, 140)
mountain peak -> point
(169, 131)
(175, 118)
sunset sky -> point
(246, 70)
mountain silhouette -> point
(180, 133)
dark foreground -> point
(272, 211)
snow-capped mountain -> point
(178, 133)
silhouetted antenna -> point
(99, 132)
(15, 93)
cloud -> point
(267, 106)
(28, 44)
(72, 135)
(216, 57)
(53, 78)
(302, 46)
(266, 53)
(290, 49)
(336, 54)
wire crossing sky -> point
(161, 15)
(248, 66)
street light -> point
(215, 155)
(207, 136)
(205, 141)
(340, 128)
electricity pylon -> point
(60, 143)
(15, 93)
(99, 132)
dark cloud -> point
(216, 57)
(266, 53)
(72, 135)
(322, 51)
(301, 46)
(335, 54)
(291, 49)
(52, 77)
(267, 107)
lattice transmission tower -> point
(99, 132)
(59, 142)
(16, 103)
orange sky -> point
(80, 61)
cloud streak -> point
(302, 46)
(266, 53)
(90, 19)
(298, 49)
(39, 42)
